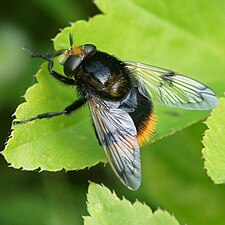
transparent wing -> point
(117, 134)
(173, 90)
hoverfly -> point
(120, 96)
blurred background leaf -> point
(173, 174)
(214, 142)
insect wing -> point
(117, 134)
(173, 90)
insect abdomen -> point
(144, 118)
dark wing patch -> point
(173, 90)
(117, 134)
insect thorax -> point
(105, 75)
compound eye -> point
(71, 64)
(89, 48)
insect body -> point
(120, 97)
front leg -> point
(49, 58)
(67, 111)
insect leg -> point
(58, 76)
(49, 58)
(40, 116)
(67, 111)
(74, 106)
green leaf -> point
(105, 207)
(214, 142)
(51, 144)
(176, 35)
